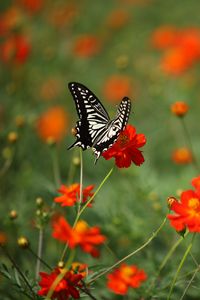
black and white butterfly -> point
(94, 128)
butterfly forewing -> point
(92, 115)
(94, 127)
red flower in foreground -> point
(187, 212)
(196, 182)
(125, 149)
(66, 288)
(71, 194)
(81, 235)
(124, 277)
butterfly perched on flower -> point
(95, 129)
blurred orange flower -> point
(182, 156)
(124, 277)
(87, 45)
(10, 19)
(63, 15)
(175, 61)
(52, 124)
(179, 108)
(3, 238)
(164, 37)
(81, 235)
(71, 194)
(118, 18)
(15, 49)
(33, 6)
(116, 87)
(190, 42)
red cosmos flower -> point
(15, 49)
(71, 194)
(65, 289)
(124, 277)
(187, 212)
(81, 235)
(125, 149)
(196, 183)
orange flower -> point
(187, 212)
(63, 15)
(3, 238)
(117, 19)
(124, 277)
(52, 124)
(182, 156)
(86, 46)
(190, 42)
(179, 108)
(175, 61)
(196, 183)
(117, 87)
(15, 49)
(33, 6)
(71, 194)
(10, 19)
(81, 235)
(164, 37)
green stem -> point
(132, 253)
(188, 141)
(84, 207)
(190, 282)
(39, 253)
(60, 276)
(180, 267)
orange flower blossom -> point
(71, 194)
(87, 46)
(124, 277)
(65, 289)
(179, 108)
(116, 87)
(125, 149)
(187, 210)
(182, 156)
(81, 235)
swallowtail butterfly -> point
(94, 128)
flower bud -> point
(61, 264)
(12, 137)
(23, 242)
(170, 201)
(76, 161)
(51, 141)
(179, 108)
(13, 214)
(39, 201)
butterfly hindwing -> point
(94, 127)
(111, 133)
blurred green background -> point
(42, 49)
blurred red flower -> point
(15, 49)
(164, 37)
(3, 238)
(118, 18)
(187, 212)
(125, 149)
(124, 277)
(52, 124)
(71, 194)
(87, 45)
(116, 87)
(33, 6)
(65, 289)
(81, 235)
(182, 156)
(196, 183)
(179, 108)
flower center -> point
(123, 139)
(194, 203)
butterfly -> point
(95, 129)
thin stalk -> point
(60, 276)
(20, 272)
(84, 207)
(190, 282)
(188, 141)
(132, 253)
(39, 252)
(180, 267)
(42, 261)
(80, 200)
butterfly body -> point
(95, 129)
